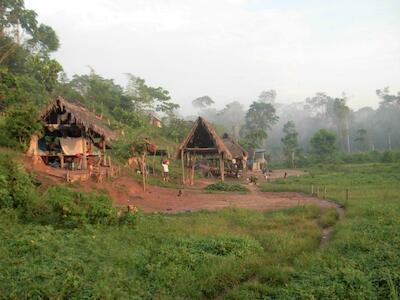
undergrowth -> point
(226, 187)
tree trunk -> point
(347, 136)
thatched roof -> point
(81, 116)
(237, 151)
(203, 139)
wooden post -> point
(84, 158)
(312, 189)
(143, 174)
(183, 168)
(325, 192)
(347, 195)
(222, 166)
(188, 169)
(317, 190)
(192, 161)
(61, 161)
(154, 163)
(104, 150)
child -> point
(165, 169)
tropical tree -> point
(259, 118)
(232, 116)
(267, 97)
(145, 97)
(320, 105)
(323, 145)
(387, 115)
(203, 102)
(362, 138)
(341, 115)
(290, 144)
(21, 122)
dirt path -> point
(328, 231)
(125, 191)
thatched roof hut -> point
(237, 151)
(204, 140)
(78, 115)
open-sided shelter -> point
(74, 138)
(203, 140)
(256, 159)
(239, 154)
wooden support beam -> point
(143, 170)
(61, 161)
(183, 168)
(103, 144)
(84, 158)
(193, 162)
(201, 149)
(222, 166)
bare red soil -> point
(125, 191)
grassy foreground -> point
(363, 260)
(232, 254)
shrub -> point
(225, 187)
(16, 186)
(387, 157)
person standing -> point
(165, 168)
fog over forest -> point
(361, 129)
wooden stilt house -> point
(74, 140)
(202, 141)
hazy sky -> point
(233, 49)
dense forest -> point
(355, 131)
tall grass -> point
(80, 251)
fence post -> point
(312, 189)
(318, 191)
(325, 192)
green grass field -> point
(229, 254)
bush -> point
(21, 123)
(225, 187)
(16, 187)
(60, 206)
(387, 157)
(64, 207)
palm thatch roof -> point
(80, 115)
(203, 139)
(237, 151)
